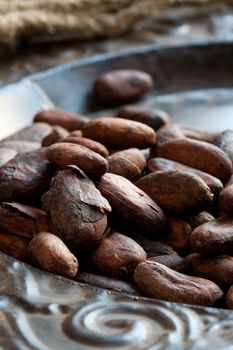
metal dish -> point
(43, 311)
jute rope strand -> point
(81, 19)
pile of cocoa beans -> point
(129, 202)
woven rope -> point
(82, 19)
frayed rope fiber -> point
(80, 19)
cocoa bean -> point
(225, 141)
(14, 246)
(199, 219)
(198, 133)
(217, 269)
(132, 206)
(63, 154)
(229, 298)
(22, 220)
(91, 144)
(155, 118)
(225, 200)
(119, 133)
(174, 262)
(177, 234)
(25, 176)
(51, 254)
(122, 86)
(57, 134)
(129, 163)
(198, 154)
(177, 192)
(155, 164)
(117, 255)
(214, 237)
(161, 282)
(153, 248)
(106, 282)
(67, 120)
(77, 208)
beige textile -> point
(80, 19)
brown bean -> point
(199, 219)
(225, 141)
(177, 192)
(214, 237)
(198, 154)
(117, 255)
(14, 246)
(217, 269)
(177, 234)
(229, 298)
(128, 163)
(155, 118)
(122, 86)
(152, 247)
(63, 154)
(67, 120)
(77, 208)
(174, 262)
(155, 164)
(132, 206)
(25, 176)
(197, 133)
(22, 220)
(107, 282)
(161, 282)
(52, 255)
(57, 134)
(119, 133)
(91, 144)
(225, 200)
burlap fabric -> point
(79, 19)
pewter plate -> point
(41, 311)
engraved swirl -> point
(40, 311)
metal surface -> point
(42, 311)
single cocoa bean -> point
(229, 298)
(161, 282)
(106, 282)
(217, 269)
(177, 192)
(165, 134)
(154, 248)
(77, 208)
(199, 219)
(63, 154)
(14, 246)
(155, 164)
(91, 144)
(225, 200)
(174, 262)
(155, 118)
(25, 176)
(51, 254)
(177, 234)
(132, 206)
(225, 141)
(197, 133)
(122, 86)
(198, 154)
(57, 134)
(129, 163)
(214, 237)
(22, 220)
(119, 133)
(117, 255)
(67, 120)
